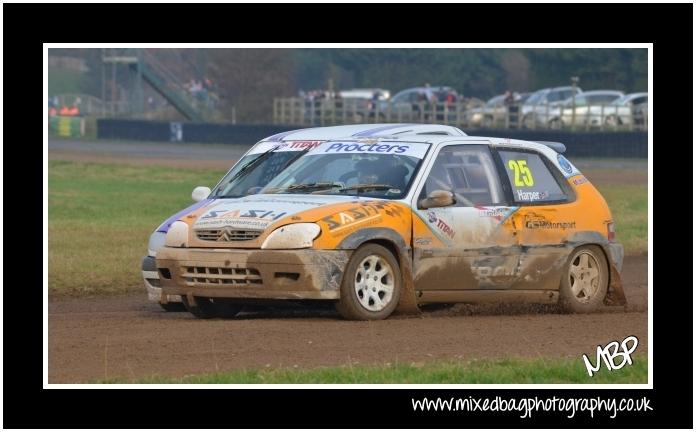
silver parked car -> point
(415, 103)
(494, 111)
(590, 109)
(629, 110)
(539, 108)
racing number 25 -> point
(523, 176)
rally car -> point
(254, 170)
(373, 224)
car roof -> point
(363, 131)
(635, 95)
(436, 139)
(596, 92)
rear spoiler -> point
(558, 147)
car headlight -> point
(156, 242)
(177, 236)
(293, 236)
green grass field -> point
(100, 217)
(517, 371)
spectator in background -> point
(429, 95)
(509, 98)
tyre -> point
(207, 308)
(585, 280)
(173, 307)
(555, 124)
(371, 285)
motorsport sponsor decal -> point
(284, 146)
(406, 149)
(530, 196)
(364, 213)
(535, 221)
(440, 224)
(497, 213)
(580, 180)
(251, 218)
(422, 241)
(565, 164)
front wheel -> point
(371, 285)
(585, 280)
(173, 307)
(207, 308)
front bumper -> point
(152, 283)
(252, 273)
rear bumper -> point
(152, 283)
(252, 273)
(616, 251)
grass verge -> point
(509, 371)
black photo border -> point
(27, 26)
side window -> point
(554, 97)
(530, 179)
(401, 97)
(640, 100)
(468, 171)
(580, 101)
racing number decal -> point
(523, 176)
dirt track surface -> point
(126, 336)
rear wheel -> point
(207, 308)
(585, 280)
(371, 285)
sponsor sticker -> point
(565, 164)
(579, 180)
(406, 149)
(284, 146)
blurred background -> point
(575, 90)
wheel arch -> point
(395, 243)
(615, 293)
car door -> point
(470, 244)
(544, 218)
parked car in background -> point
(254, 170)
(414, 104)
(589, 109)
(631, 109)
(365, 93)
(538, 108)
(494, 111)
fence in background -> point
(583, 144)
(465, 114)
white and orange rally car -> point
(376, 223)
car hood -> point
(257, 212)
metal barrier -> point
(325, 112)
(578, 143)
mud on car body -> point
(400, 221)
(261, 163)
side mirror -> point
(437, 198)
(200, 193)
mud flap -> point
(408, 305)
(616, 295)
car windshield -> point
(622, 100)
(255, 170)
(380, 170)
(535, 98)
